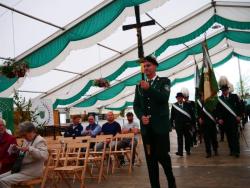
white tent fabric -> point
(218, 53)
(66, 85)
(152, 43)
(85, 43)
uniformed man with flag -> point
(207, 101)
(151, 107)
(228, 113)
(207, 121)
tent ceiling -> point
(82, 60)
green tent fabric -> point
(113, 91)
(226, 59)
(171, 62)
(187, 78)
(7, 112)
(87, 28)
(126, 104)
(214, 19)
(5, 82)
(80, 31)
(237, 36)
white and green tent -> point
(64, 60)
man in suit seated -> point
(34, 151)
(75, 129)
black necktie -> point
(150, 82)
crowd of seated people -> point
(24, 162)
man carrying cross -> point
(151, 107)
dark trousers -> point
(125, 143)
(210, 137)
(156, 147)
(194, 136)
(222, 132)
(231, 130)
(183, 131)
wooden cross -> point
(138, 25)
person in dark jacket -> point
(151, 108)
(228, 112)
(75, 129)
(208, 124)
(182, 119)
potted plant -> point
(12, 69)
(101, 82)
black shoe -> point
(237, 155)
(122, 163)
(188, 153)
(216, 153)
(180, 154)
(172, 185)
(208, 155)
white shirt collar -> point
(153, 79)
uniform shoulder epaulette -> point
(164, 79)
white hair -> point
(223, 81)
(185, 92)
(4, 122)
(231, 88)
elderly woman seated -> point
(34, 151)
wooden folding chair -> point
(127, 152)
(76, 160)
(96, 158)
(108, 139)
(79, 139)
(138, 152)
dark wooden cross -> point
(138, 25)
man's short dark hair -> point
(151, 59)
(76, 116)
(129, 114)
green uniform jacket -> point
(154, 102)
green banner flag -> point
(7, 112)
(208, 86)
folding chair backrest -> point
(76, 152)
(75, 140)
(57, 151)
(119, 137)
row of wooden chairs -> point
(79, 158)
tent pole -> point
(240, 76)
(30, 16)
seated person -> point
(35, 152)
(130, 127)
(75, 129)
(6, 160)
(111, 127)
(93, 128)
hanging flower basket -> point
(101, 83)
(12, 69)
